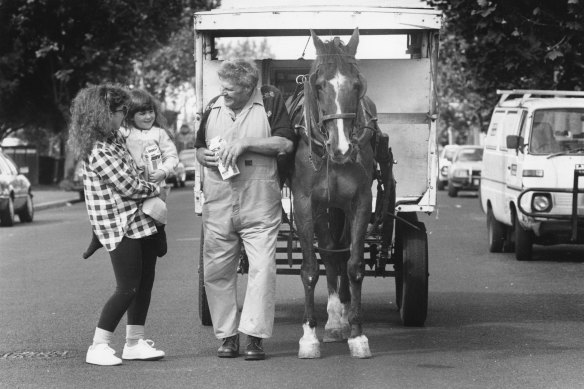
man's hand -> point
(206, 157)
(157, 176)
(232, 151)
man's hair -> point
(241, 72)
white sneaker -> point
(143, 351)
(102, 354)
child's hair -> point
(91, 116)
(141, 100)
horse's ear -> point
(318, 44)
(353, 42)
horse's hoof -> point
(309, 344)
(333, 335)
(359, 347)
(309, 350)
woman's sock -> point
(133, 334)
(102, 336)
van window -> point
(557, 130)
(510, 123)
(491, 139)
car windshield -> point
(557, 130)
(188, 157)
(449, 154)
(470, 155)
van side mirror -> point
(515, 142)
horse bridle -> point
(311, 122)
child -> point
(146, 129)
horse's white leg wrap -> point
(333, 329)
(359, 347)
(309, 344)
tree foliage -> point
(501, 44)
(49, 49)
(244, 48)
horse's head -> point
(338, 86)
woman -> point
(113, 196)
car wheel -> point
(7, 214)
(496, 233)
(523, 242)
(440, 185)
(27, 213)
(452, 191)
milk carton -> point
(215, 145)
(153, 158)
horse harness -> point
(368, 130)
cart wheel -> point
(204, 313)
(496, 232)
(523, 242)
(412, 281)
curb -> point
(55, 204)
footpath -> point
(51, 196)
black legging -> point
(134, 263)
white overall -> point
(245, 208)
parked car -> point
(444, 162)
(465, 171)
(178, 177)
(533, 164)
(15, 193)
(189, 159)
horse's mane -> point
(333, 53)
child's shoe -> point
(94, 245)
(143, 351)
(103, 355)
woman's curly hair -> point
(91, 116)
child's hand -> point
(157, 176)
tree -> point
(49, 49)
(489, 45)
(244, 48)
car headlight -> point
(541, 202)
(444, 170)
(460, 173)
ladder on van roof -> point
(527, 93)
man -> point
(245, 208)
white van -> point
(533, 158)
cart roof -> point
(370, 16)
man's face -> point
(235, 96)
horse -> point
(334, 167)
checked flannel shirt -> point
(114, 194)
